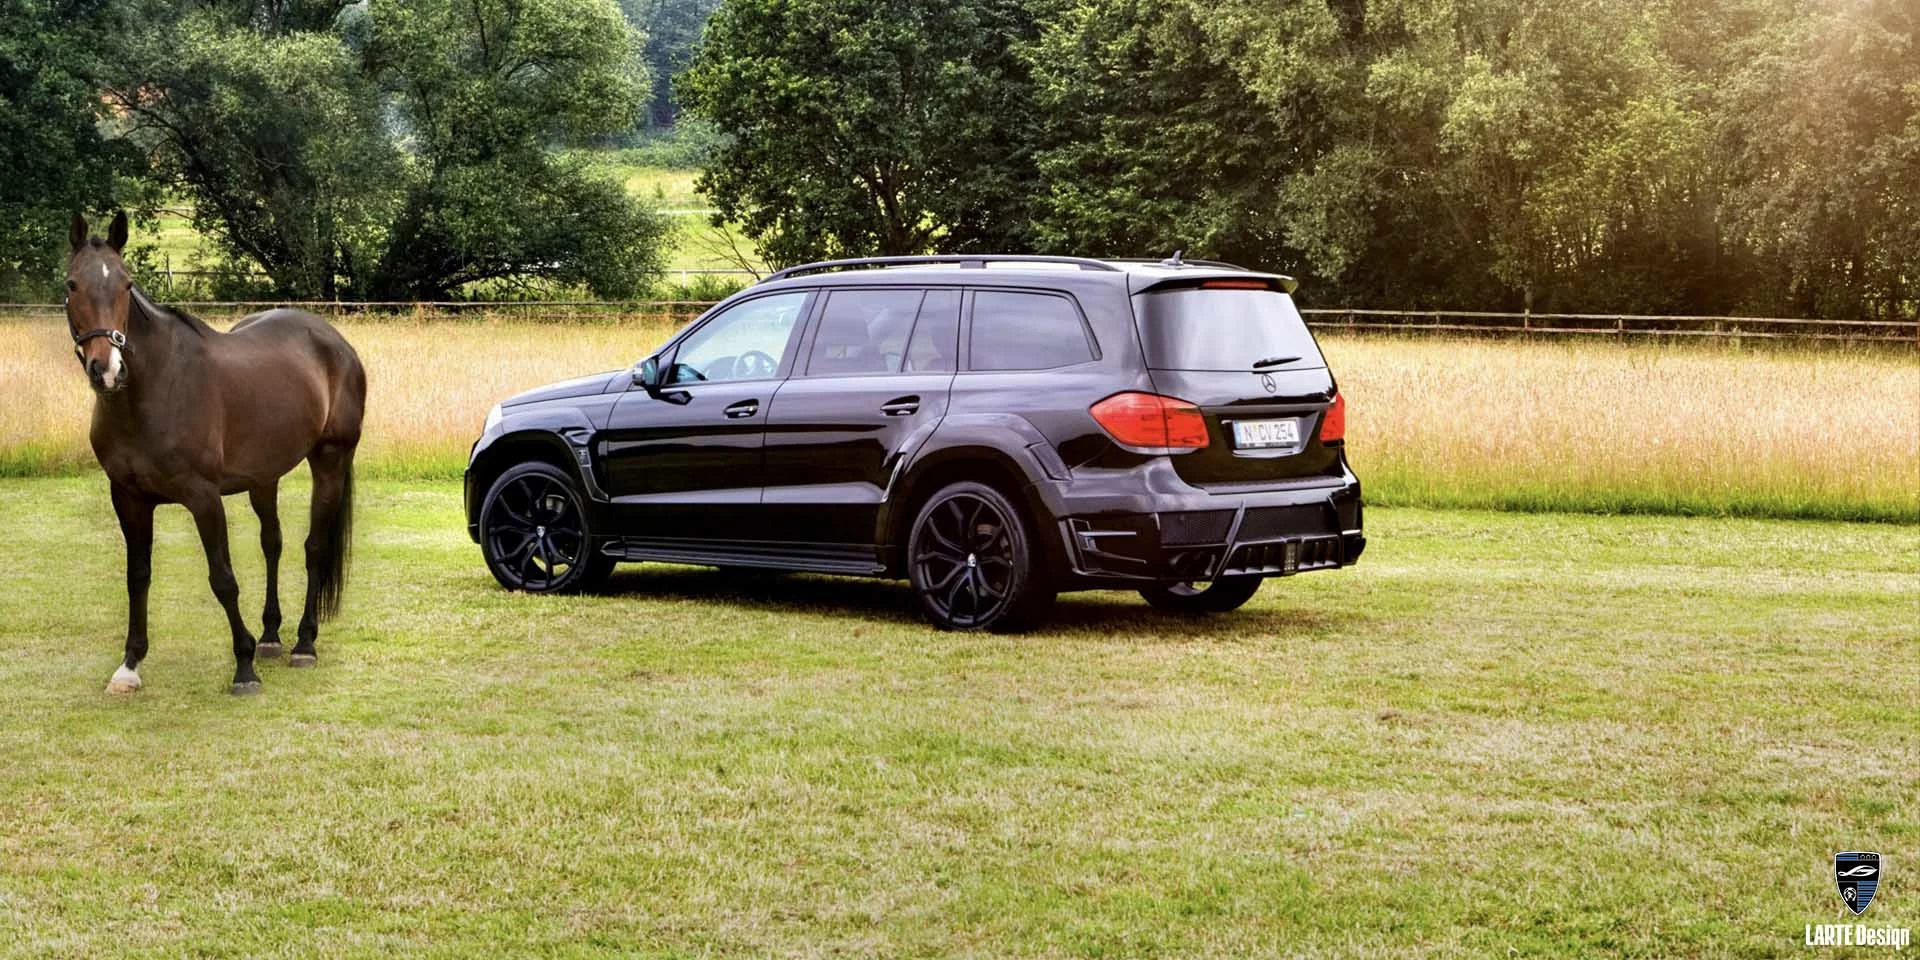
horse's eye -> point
(71, 286)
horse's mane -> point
(151, 308)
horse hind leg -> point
(329, 541)
(266, 506)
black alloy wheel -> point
(973, 563)
(534, 533)
(1212, 596)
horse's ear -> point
(117, 233)
(77, 232)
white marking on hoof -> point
(124, 681)
(299, 660)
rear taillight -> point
(1152, 421)
(1333, 426)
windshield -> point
(1193, 329)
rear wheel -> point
(1211, 596)
(534, 533)
(974, 563)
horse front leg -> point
(210, 516)
(266, 506)
(136, 527)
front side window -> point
(1026, 331)
(747, 342)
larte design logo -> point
(1858, 876)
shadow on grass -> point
(1110, 613)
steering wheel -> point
(752, 364)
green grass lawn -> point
(671, 189)
(1538, 733)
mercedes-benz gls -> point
(995, 430)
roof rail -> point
(963, 259)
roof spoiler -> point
(1278, 283)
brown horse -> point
(186, 414)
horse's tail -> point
(338, 540)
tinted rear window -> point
(1223, 330)
(1026, 331)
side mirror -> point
(646, 374)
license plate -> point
(1266, 433)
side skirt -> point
(770, 555)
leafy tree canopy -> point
(868, 126)
(1650, 155)
(397, 150)
(54, 153)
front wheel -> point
(1215, 596)
(974, 563)
(534, 534)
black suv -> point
(993, 429)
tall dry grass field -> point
(429, 385)
(1579, 425)
(1692, 428)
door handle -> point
(900, 406)
(743, 409)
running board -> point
(802, 557)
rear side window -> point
(863, 331)
(1195, 329)
(1026, 331)
(936, 338)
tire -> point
(534, 533)
(974, 562)
(1217, 596)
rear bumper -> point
(1175, 532)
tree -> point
(672, 29)
(265, 120)
(1158, 142)
(861, 127)
(397, 150)
(56, 157)
(1824, 130)
(485, 88)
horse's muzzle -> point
(97, 377)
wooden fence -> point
(1621, 326)
(1449, 322)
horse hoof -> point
(299, 660)
(268, 651)
(246, 688)
(124, 681)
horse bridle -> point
(115, 337)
